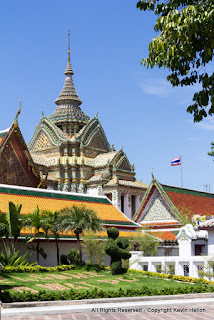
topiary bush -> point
(116, 250)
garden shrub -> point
(64, 259)
(173, 277)
(42, 295)
(74, 257)
(23, 269)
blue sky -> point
(137, 107)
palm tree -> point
(36, 220)
(54, 226)
(79, 219)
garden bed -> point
(86, 283)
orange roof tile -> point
(164, 235)
(191, 202)
(52, 200)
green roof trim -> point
(187, 191)
(53, 195)
(31, 235)
(175, 232)
(3, 134)
(124, 223)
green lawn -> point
(81, 280)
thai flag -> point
(176, 162)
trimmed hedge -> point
(173, 277)
(42, 295)
(22, 269)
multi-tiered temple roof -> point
(68, 102)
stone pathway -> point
(168, 311)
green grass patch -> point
(87, 283)
(81, 280)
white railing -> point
(184, 266)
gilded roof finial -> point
(15, 122)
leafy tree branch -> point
(184, 46)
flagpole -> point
(181, 174)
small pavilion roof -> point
(182, 202)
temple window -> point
(198, 249)
(122, 203)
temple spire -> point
(69, 59)
(68, 112)
(68, 67)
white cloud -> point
(207, 159)
(206, 124)
(162, 87)
(156, 87)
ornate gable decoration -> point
(124, 164)
(93, 136)
(46, 135)
(42, 142)
(157, 203)
(157, 209)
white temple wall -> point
(50, 249)
(93, 191)
(183, 266)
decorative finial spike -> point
(42, 111)
(68, 70)
(15, 122)
(152, 173)
(68, 44)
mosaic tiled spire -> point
(68, 101)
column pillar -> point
(150, 266)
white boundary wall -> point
(193, 263)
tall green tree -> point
(80, 219)
(94, 248)
(184, 46)
(36, 220)
(53, 226)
